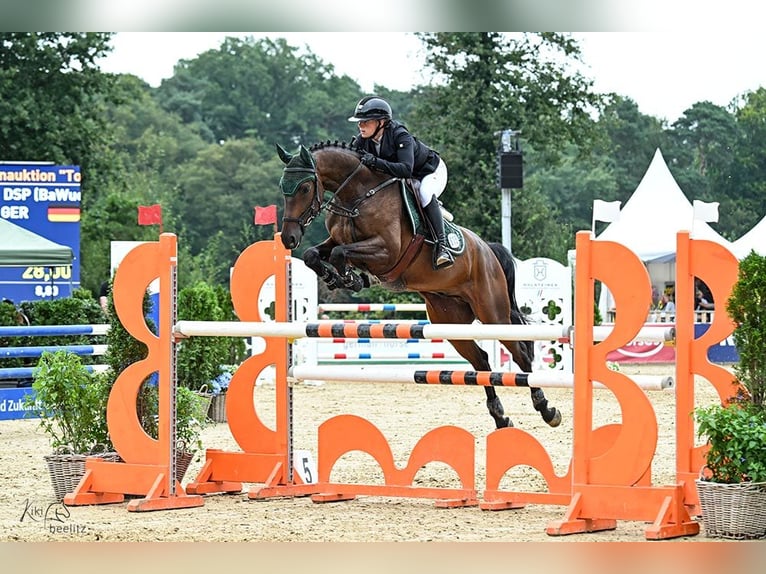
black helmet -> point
(371, 108)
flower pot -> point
(183, 460)
(66, 470)
(217, 411)
(736, 511)
(206, 399)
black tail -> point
(509, 268)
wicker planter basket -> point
(217, 411)
(206, 399)
(736, 511)
(183, 460)
(66, 470)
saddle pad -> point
(455, 239)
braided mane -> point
(336, 144)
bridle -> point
(332, 205)
(315, 207)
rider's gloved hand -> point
(369, 160)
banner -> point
(724, 352)
(45, 199)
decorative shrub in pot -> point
(71, 404)
(732, 486)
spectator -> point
(103, 296)
(668, 303)
(702, 304)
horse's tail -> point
(509, 269)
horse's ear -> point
(284, 155)
(306, 156)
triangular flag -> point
(707, 212)
(265, 215)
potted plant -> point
(732, 488)
(219, 386)
(71, 405)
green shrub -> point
(237, 352)
(71, 403)
(736, 431)
(737, 437)
(200, 359)
(80, 309)
(747, 308)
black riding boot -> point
(442, 257)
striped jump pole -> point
(390, 355)
(342, 341)
(52, 330)
(370, 307)
(7, 373)
(82, 350)
(541, 379)
(399, 331)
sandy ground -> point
(403, 412)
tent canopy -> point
(654, 214)
(20, 247)
(755, 239)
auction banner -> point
(44, 199)
(651, 352)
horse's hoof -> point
(555, 419)
(504, 422)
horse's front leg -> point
(370, 254)
(315, 259)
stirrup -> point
(443, 258)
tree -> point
(51, 97)
(746, 202)
(701, 153)
(570, 187)
(488, 82)
(261, 89)
(629, 143)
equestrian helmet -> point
(371, 108)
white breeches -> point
(433, 184)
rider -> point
(389, 147)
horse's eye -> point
(305, 189)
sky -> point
(665, 73)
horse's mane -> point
(337, 145)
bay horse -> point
(369, 232)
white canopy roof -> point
(654, 214)
(753, 239)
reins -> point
(333, 207)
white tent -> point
(649, 222)
(753, 239)
(654, 214)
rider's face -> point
(367, 127)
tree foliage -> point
(202, 144)
(51, 91)
(490, 82)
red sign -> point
(644, 351)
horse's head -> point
(300, 188)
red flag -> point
(265, 215)
(150, 214)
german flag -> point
(63, 214)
